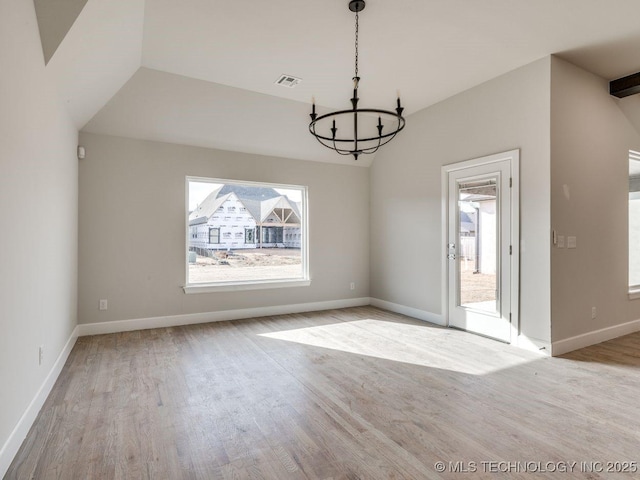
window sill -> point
(634, 294)
(238, 286)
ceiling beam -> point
(625, 86)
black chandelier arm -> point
(356, 151)
(344, 151)
(386, 141)
(400, 126)
(359, 110)
(388, 136)
(369, 150)
(363, 151)
(358, 145)
(366, 151)
(334, 147)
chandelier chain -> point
(356, 44)
(360, 138)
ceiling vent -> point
(288, 81)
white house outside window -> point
(264, 245)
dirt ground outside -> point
(476, 287)
(250, 264)
(280, 263)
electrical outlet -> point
(40, 354)
(352, 286)
(103, 304)
(594, 312)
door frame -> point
(513, 156)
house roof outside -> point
(198, 221)
(251, 197)
(250, 193)
(208, 206)
(259, 202)
(268, 206)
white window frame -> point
(634, 290)
(209, 242)
(303, 280)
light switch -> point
(572, 242)
(560, 241)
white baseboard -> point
(598, 336)
(522, 341)
(19, 433)
(533, 344)
(409, 311)
(195, 318)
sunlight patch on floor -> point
(427, 346)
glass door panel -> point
(478, 247)
(478, 240)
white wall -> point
(511, 111)
(132, 228)
(590, 142)
(38, 214)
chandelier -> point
(357, 143)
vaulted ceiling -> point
(203, 72)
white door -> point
(480, 241)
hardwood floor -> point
(344, 394)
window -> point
(634, 224)
(266, 247)
(271, 235)
(214, 235)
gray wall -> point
(55, 18)
(511, 111)
(590, 142)
(132, 234)
(38, 214)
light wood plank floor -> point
(344, 394)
